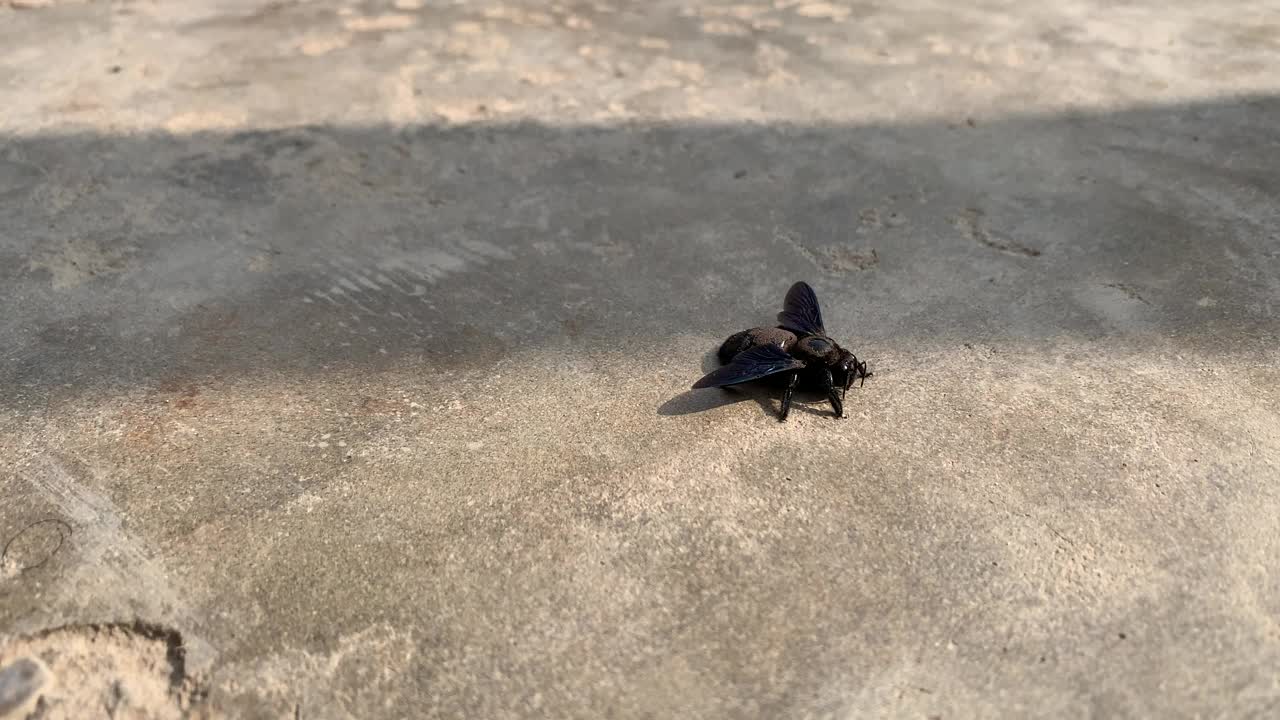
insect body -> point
(798, 351)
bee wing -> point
(800, 311)
(751, 365)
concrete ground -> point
(346, 349)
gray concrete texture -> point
(346, 349)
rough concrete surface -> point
(346, 349)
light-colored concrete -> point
(345, 354)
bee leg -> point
(786, 396)
(833, 393)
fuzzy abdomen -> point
(755, 337)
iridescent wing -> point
(800, 311)
(753, 364)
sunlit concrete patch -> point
(975, 516)
(729, 61)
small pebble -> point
(20, 682)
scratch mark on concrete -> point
(970, 223)
(109, 558)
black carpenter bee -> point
(798, 346)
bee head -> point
(849, 369)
